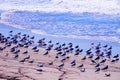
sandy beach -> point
(33, 62)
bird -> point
(97, 65)
(50, 63)
(110, 48)
(105, 46)
(40, 65)
(34, 47)
(84, 58)
(116, 56)
(40, 70)
(32, 37)
(28, 57)
(25, 52)
(56, 57)
(31, 61)
(61, 65)
(37, 50)
(63, 59)
(82, 70)
(77, 46)
(90, 56)
(105, 68)
(73, 64)
(117, 59)
(80, 66)
(93, 61)
(97, 58)
(97, 70)
(10, 31)
(16, 56)
(63, 44)
(74, 61)
(23, 60)
(46, 53)
(103, 61)
(107, 74)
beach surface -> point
(38, 66)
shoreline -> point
(84, 43)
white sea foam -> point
(74, 6)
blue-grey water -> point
(83, 26)
(81, 29)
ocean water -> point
(91, 26)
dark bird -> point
(16, 56)
(67, 57)
(90, 56)
(46, 53)
(23, 60)
(61, 65)
(76, 53)
(103, 61)
(101, 55)
(10, 31)
(74, 61)
(63, 44)
(50, 63)
(97, 70)
(113, 61)
(32, 61)
(97, 58)
(25, 52)
(81, 50)
(34, 47)
(88, 52)
(28, 57)
(50, 41)
(117, 59)
(107, 74)
(80, 66)
(19, 33)
(97, 65)
(105, 46)
(93, 61)
(77, 46)
(40, 65)
(110, 48)
(105, 68)
(40, 70)
(64, 59)
(57, 43)
(37, 50)
(82, 70)
(73, 64)
(32, 37)
(92, 43)
(116, 56)
(84, 58)
(56, 57)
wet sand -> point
(13, 69)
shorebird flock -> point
(98, 55)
